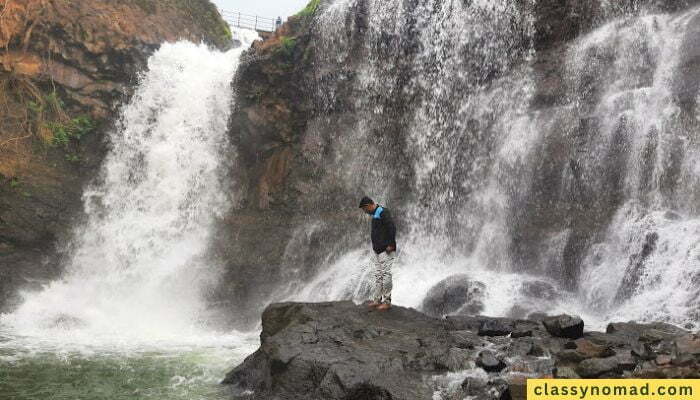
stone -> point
(606, 339)
(453, 294)
(653, 332)
(540, 290)
(663, 359)
(625, 360)
(519, 332)
(688, 344)
(458, 359)
(465, 339)
(517, 387)
(589, 349)
(643, 351)
(489, 363)
(496, 327)
(565, 373)
(564, 326)
(595, 367)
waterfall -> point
(139, 266)
(592, 197)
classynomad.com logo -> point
(613, 389)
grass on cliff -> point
(287, 45)
(29, 116)
(310, 9)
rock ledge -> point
(340, 350)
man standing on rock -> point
(384, 246)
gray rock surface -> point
(340, 350)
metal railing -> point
(246, 21)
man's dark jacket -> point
(383, 230)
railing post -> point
(239, 19)
(256, 23)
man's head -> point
(368, 205)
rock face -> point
(340, 350)
(64, 68)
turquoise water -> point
(46, 368)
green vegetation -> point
(14, 183)
(287, 45)
(75, 128)
(49, 114)
(206, 15)
(310, 9)
(74, 158)
(201, 12)
(148, 6)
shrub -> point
(310, 9)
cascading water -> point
(139, 263)
(591, 201)
(138, 273)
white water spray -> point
(573, 193)
(139, 268)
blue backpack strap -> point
(378, 213)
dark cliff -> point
(65, 67)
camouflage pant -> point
(382, 276)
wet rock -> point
(645, 332)
(540, 290)
(583, 349)
(465, 339)
(496, 327)
(488, 361)
(458, 359)
(537, 316)
(643, 351)
(334, 350)
(689, 344)
(457, 293)
(565, 373)
(663, 359)
(517, 388)
(564, 326)
(520, 332)
(591, 350)
(625, 360)
(595, 367)
(605, 339)
(519, 348)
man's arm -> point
(390, 230)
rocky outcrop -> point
(65, 66)
(340, 350)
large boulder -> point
(564, 326)
(457, 294)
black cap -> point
(365, 201)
